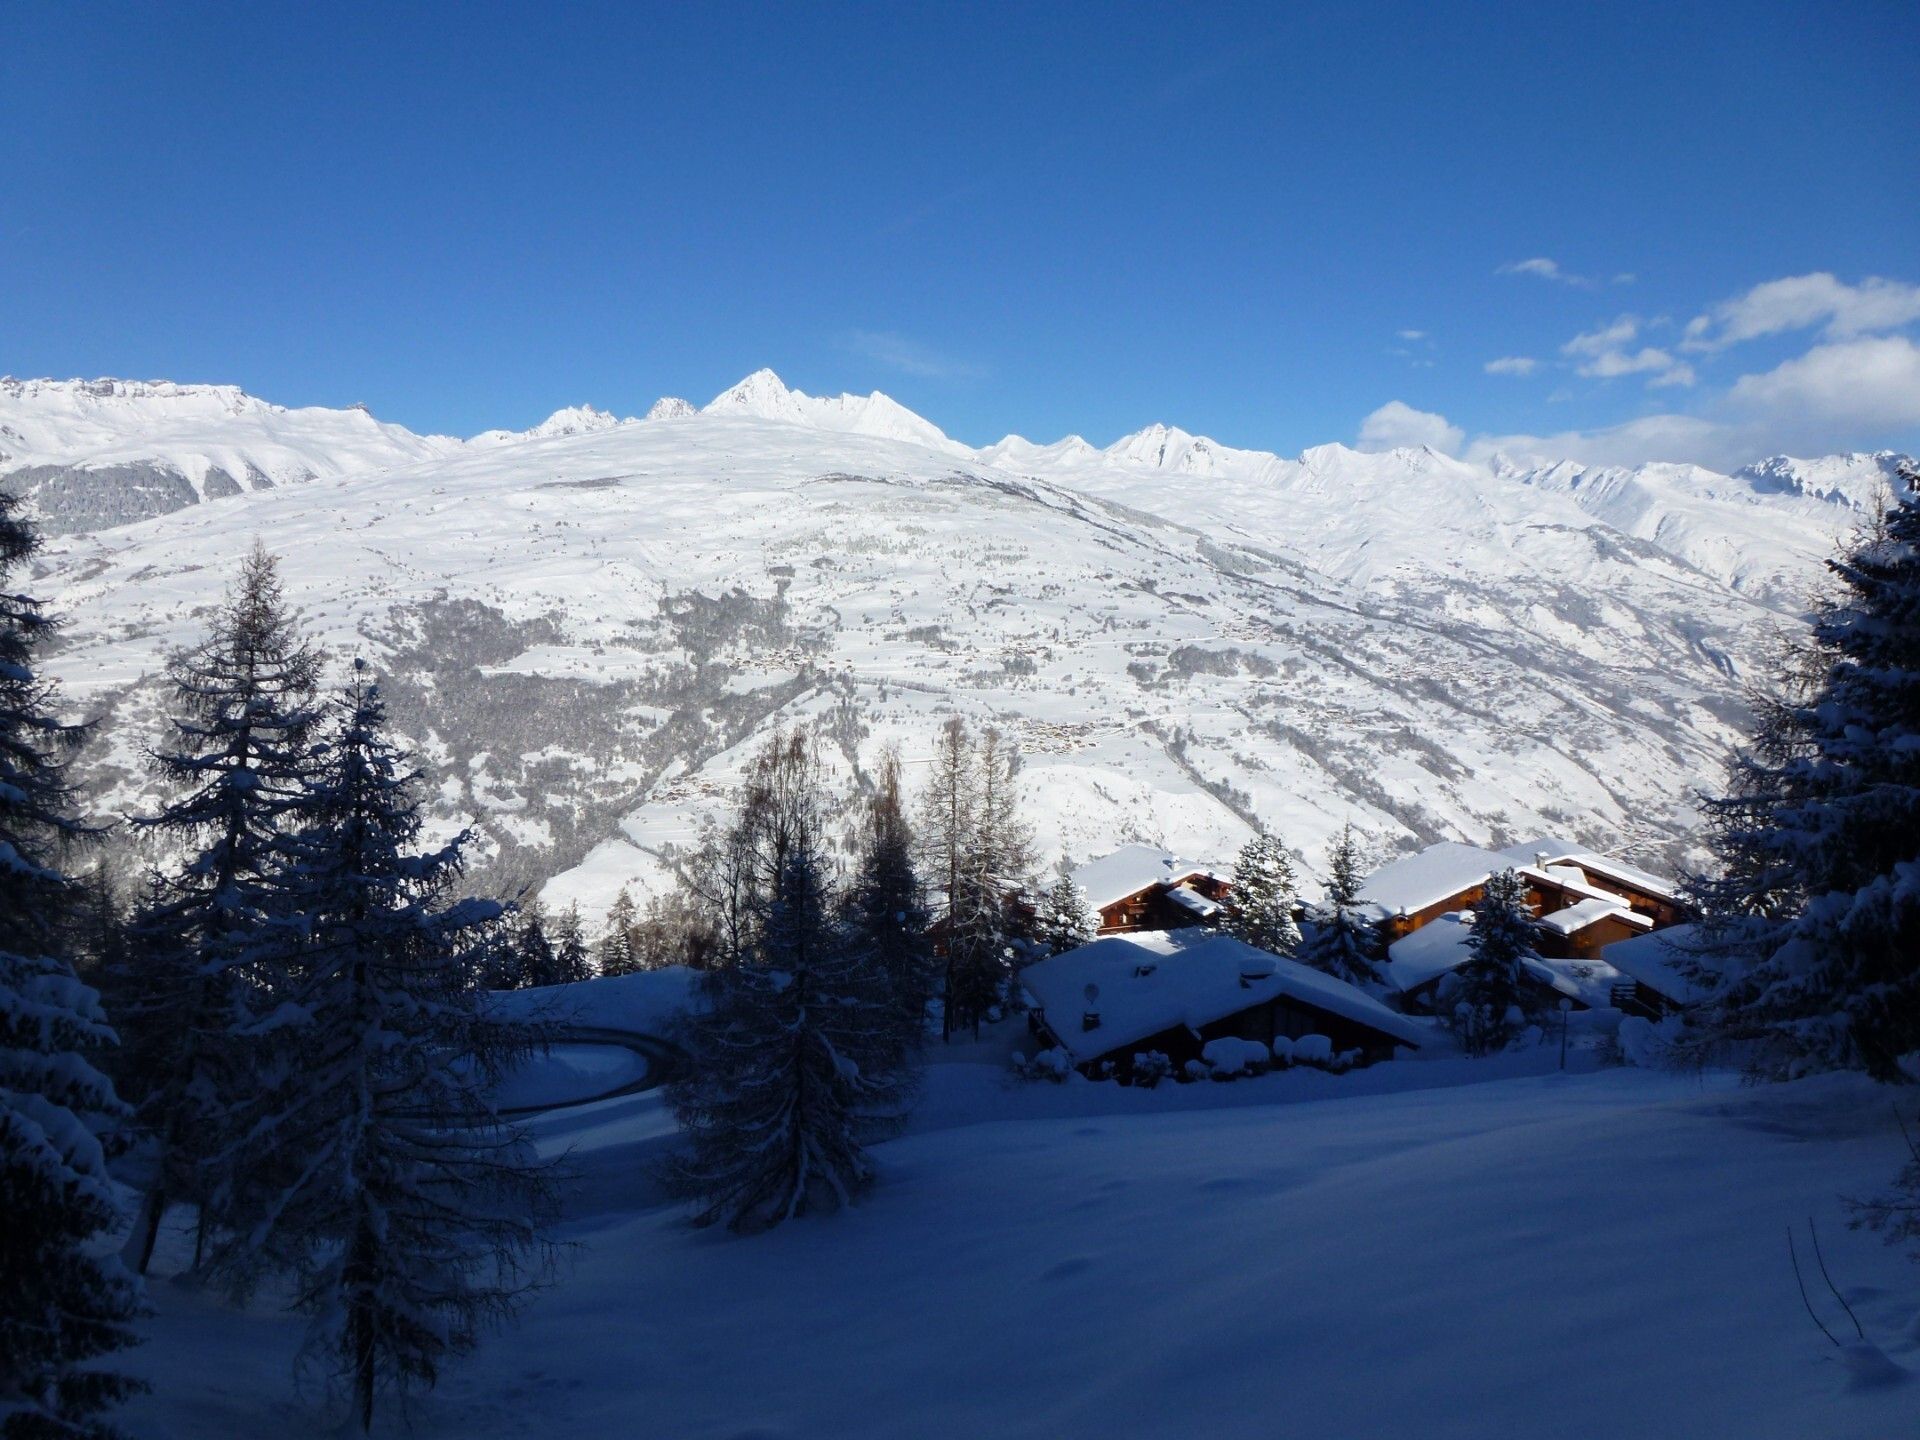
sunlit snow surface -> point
(585, 632)
(1445, 1248)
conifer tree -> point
(375, 1172)
(1491, 996)
(797, 1064)
(1261, 905)
(240, 759)
(1345, 942)
(62, 1305)
(570, 962)
(885, 907)
(1065, 919)
(1817, 912)
(536, 963)
(616, 947)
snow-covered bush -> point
(1649, 1044)
(1282, 1049)
(1196, 1070)
(1150, 1067)
(1230, 1057)
(1313, 1050)
(1055, 1065)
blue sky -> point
(1263, 223)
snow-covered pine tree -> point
(616, 946)
(1261, 905)
(797, 1063)
(62, 1304)
(240, 758)
(885, 907)
(1490, 996)
(1065, 919)
(1818, 918)
(376, 1172)
(570, 961)
(1345, 940)
(536, 962)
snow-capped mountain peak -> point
(764, 396)
(571, 420)
(671, 407)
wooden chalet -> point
(1588, 905)
(1142, 887)
(1173, 991)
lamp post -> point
(1566, 1009)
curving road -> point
(663, 1060)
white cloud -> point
(1800, 302)
(1396, 424)
(910, 356)
(1871, 384)
(1606, 338)
(1411, 334)
(1651, 437)
(1603, 355)
(1625, 277)
(1511, 365)
(1845, 395)
(1545, 269)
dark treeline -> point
(300, 1052)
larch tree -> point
(1345, 940)
(376, 1172)
(1261, 905)
(240, 758)
(63, 1304)
(796, 1063)
(885, 906)
(1819, 837)
(978, 855)
(1490, 997)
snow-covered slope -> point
(585, 632)
(91, 454)
(1416, 1250)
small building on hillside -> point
(1656, 978)
(1142, 887)
(1419, 963)
(1173, 991)
(1585, 902)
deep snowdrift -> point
(1548, 1255)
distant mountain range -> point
(585, 625)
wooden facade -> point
(1150, 908)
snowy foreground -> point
(1430, 1248)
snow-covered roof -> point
(1437, 872)
(1155, 980)
(1601, 867)
(1131, 869)
(1432, 950)
(1591, 911)
(1441, 946)
(1196, 902)
(1654, 960)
